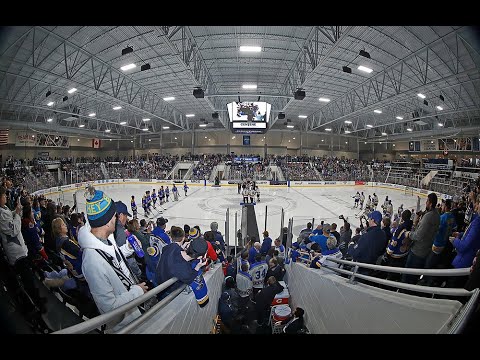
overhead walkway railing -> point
(100, 320)
(463, 316)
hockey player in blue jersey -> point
(167, 193)
(148, 199)
(144, 205)
(134, 207)
(154, 197)
(175, 193)
(161, 195)
(185, 188)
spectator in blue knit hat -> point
(104, 265)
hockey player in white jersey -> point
(369, 203)
(375, 201)
(257, 189)
(252, 193)
(245, 193)
(389, 209)
(257, 271)
(357, 199)
(362, 200)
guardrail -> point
(98, 321)
(462, 317)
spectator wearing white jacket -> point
(104, 266)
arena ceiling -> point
(440, 62)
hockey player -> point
(167, 193)
(398, 214)
(148, 199)
(362, 200)
(175, 193)
(385, 203)
(375, 201)
(257, 271)
(144, 205)
(239, 187)
(252, 193)
(357, 199)
(134, 207)
(257, 189)
(154, 198)
(389, 209)
(161, 195)
(369, 202)
(185, 188)
(245, 194)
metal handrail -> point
(140, 320)
(466, 312)
(406, 286)
(411, 271)
(104, 318)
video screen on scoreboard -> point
(249, 111)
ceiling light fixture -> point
(51, 103)
(49, 120)
(369, 126)
(123, 123)
(290, 126)
(190, 115)
(348, 122)
(322, 99)
(384, 134)
(128, 67)
(347, 132)
(302, 116)
(439, 107)
(328, 129)
(146, 119)
(440, 124)
(409, 129)
(250, 48)
(377, 111)
(92, 114)
(365, 69)
(399, 118)
(145, 67)
(165, 127)
(116, 107)
(72, 90)
(249, 86)
(169, 98)
(421, 96)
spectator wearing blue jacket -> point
(217, 235)
(159, 230)
(266, 244)
(447, 225)
(466, 244)
(254, 250)
(372, 244)
(321, 239)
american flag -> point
(3, 137)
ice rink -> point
(205, 204)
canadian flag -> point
(96, 143)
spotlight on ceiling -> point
(442, 98)
(65, 98)
(425, 102)
(364, 54)
(127, 50)
(145, 67)
(198, 93)
(347, 69)
(215, 115)
(281, 116)
(48, 93)
(299, 94)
